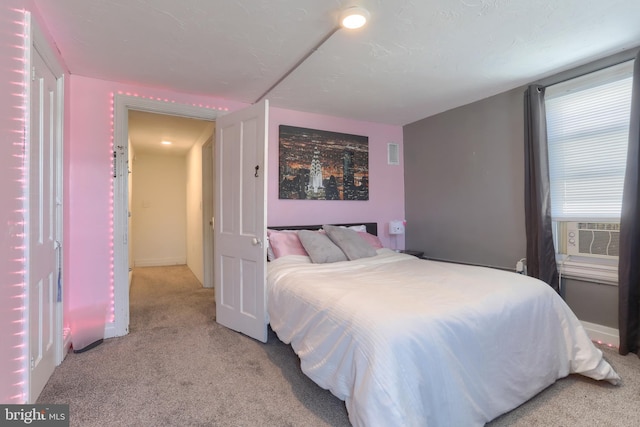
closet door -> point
(44, 227)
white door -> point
(240, 220)
(44, 228)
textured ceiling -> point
(414, 59)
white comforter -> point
(409, 342)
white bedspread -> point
(410, 342)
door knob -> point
(256, 242)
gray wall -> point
(464, 179)
(592, 302)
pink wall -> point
(89, 272)
(89, 197)
(386, 182)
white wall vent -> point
(393, 153)
(600, 239)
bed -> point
(412, 342)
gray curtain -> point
(629, 261)
(541, 254)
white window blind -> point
(587, 132)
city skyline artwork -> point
(322, 165)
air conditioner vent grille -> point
(593, 239)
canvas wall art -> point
(322, 165)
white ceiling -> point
(414, 59)
(148, 130)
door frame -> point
(208, 177)
(39, 43)
(122, 103)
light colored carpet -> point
(178, 367)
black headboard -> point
(372, 227)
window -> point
(587, 136)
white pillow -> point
(356, 227)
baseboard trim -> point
(160, 262)
(110, 331)
(66, 343)
(602, 334)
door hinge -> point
(33, 74)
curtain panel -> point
(629, 260)
(541, 254)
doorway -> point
(166, 182)
(123, 105)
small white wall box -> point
(396, 227)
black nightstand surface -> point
(418, 254)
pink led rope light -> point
(20, 155)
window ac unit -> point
(601, 239)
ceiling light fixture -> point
(166, 142)
(351, 18)
(354, 17)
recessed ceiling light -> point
(354, 17)
(166, 142)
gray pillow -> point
(350, 242)
(320, 248)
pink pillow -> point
(285, 243)
(371, 239)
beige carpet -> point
(178, 367)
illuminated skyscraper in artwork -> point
(315, 188)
